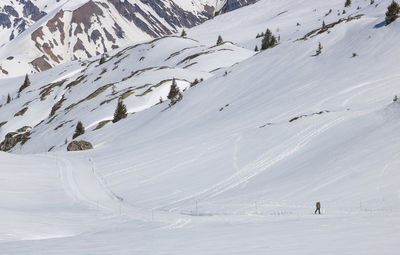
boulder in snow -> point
(79, 146)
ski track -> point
(260, 165)
(179, 223)
(236, 151)
(83, 184)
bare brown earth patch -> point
(40, 64)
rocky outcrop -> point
(83, 17)
(40, 64)
(21, 136)
(79, 146)
(18, 16)
(10, 10)
(173, 15)
(5, 21)
(232, 5)
(32, 11)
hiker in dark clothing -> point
(318, 205)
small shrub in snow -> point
(194, 83)
(220, 40)
(79, 130)
(120, 112)
(26, 84)
(392, 13)
(329, 12)
(256, 48)
(102, 60)
(319, 50)
(174, 94)
(347, 3)
(183, 34)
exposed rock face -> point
(5, 21)
(232, 5)
(32, 11)
(22, 135)
(83, 16)
(79, 146)
(17, 17)
(40, 64)
(10, 10)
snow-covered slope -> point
(236, 166)
(140, 74)
(80, 29)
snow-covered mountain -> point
(16, 16)
(77, 29)
(237, 165)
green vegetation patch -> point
(101, 124)
(47, 89)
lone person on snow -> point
(318, 205)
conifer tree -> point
(256, 48)
(26, 84)
(120, 112)
(174, 94)
(392, 13)
(102, 60)
(79, 130)
(183, 34)
(269, 40)
(347, 3)
(8, 98)
(319, 51)
(219, 40)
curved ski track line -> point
(260, 165)
(86, 187)
(83, 185)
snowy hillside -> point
(237, 165)
(141, 74)
(80, 29)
